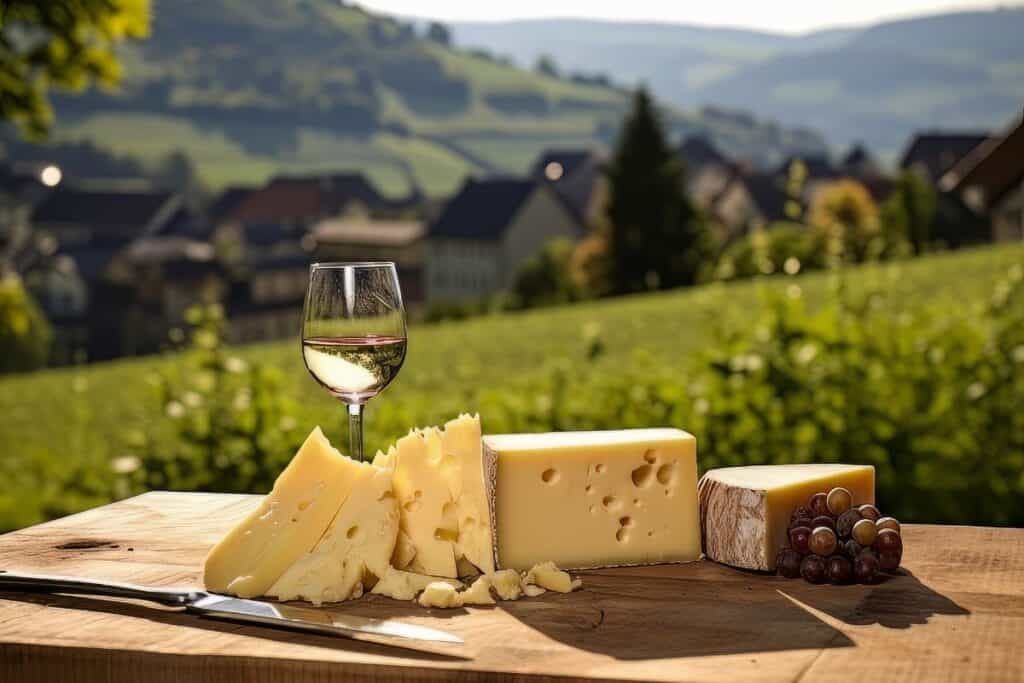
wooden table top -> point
(956, 614)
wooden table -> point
(957, 614)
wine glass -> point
(353, 334)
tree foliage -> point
(910, 210)
(439, 33)
(847, 218)
(25, 335)
(63, 44)
(546, 65)
(657, 238)
(545, 278)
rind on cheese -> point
(355, 549)
(286, 525)
(745, 511)
(593, 499)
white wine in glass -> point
(353, 334)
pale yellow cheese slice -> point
(356, 547)
(422, 483)
(286, 525)
(460, 440)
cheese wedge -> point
(460, 439)
(286, 525)
(428, 511)
(745, 511)
(355, 549)
(593, 499)
(445, 517)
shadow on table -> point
(666, 612)
(173, 617)
(898, 601)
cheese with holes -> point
(401, 585)
(460, 440)
(355, 550)
(593, 499)
(445, 517)
(425, 502)
(286, 525)
(745, 511)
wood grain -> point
(957, 614)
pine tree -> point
(657, 238)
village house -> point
(268, 263)
(990, 181)
(932, 153)
(578, 177)
(485, 233)
(83, 266)
(304, 200)
(400, 242)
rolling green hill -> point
(876, 84)
(56, 423)
(248, 89)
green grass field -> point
(499, 365)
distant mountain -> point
(248, 88)
(876, 84)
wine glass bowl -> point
(354, 333)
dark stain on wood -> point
(87, 544)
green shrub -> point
(931, 399)
(236, 428)
(545, 279)
(781, 248)
(25, 335)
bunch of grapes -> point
(831, 540)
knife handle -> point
(53, 583)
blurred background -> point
(793, 231)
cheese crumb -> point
(479, 593)
(401, 585)
(533, 591)
(547, 575)
(507, 584)
(440, 594)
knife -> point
(216, 606)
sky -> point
(790, 16)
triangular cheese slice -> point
(356, 548)
(286, 525)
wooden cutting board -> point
(957, 614)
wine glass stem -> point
(355, 430)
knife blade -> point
(215, 606)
